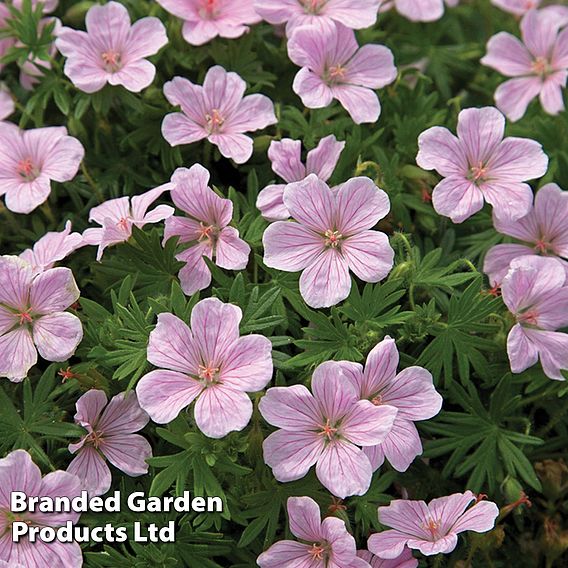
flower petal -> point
(231, 251)
(292, 408)
(53, 291)
(457, 198)
(127, 452)
(369, 255)
(323, 159)
(91, 468)
(508, 55)
(481, 130)
(368, 425)
(123, 415)
(89, 407)
(304, 518)
(57, 335)
(440, 150)
(361, 103)
(402, 444)
(513, 97)
(17, 354)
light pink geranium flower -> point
(51, 248)
(354, 14)
(419, 10)
(7, 105)
(205, 228)
(207, 19)
(544, 231)
(19, 473)
(480, 165)
(110, 436)
(111, 50)
(538, 65)
(326, 543)
(118, 216)
(32, 316)
(330, 236)
(208, 362)
(334, 67)
(216, 111)
(405, 560)
(536, 292)
(411, 391)
(325, 429)
(431, 528)
(31, 159)
(285, 156)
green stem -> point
(91, 182)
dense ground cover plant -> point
(307, 256)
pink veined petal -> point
(195, 275)
(157, 214)
(304, 518)
(550, 208)
(421, 10)
(309, 46)
(190, 98)
(18, 473)
(277, 11)
(513, 97)
(324, 157)
(376, 455)
(62, 160)
(325, 282)
(551, 96)
(405, 560)
(498, 260)
(223, 90)
(481, 130)
(356, 16)
(526, 229)
(255, 112)
(517, 7)
(24, 197)
(286, 553)
(183, 227)
(552, 349)
(164, 394)
(406, 516)
(127, 452)
(237, 147)
(270, 203)
(15, 281)
(450, 508)
(285, 157)
(510, 200)
(334, 393)
(479, 518)
(141, 203)
(231, 251)
(146, 37)
(428, 547)
(178, 129)
(113, 234)
(200, 32)
(57, 335)
(517, 159)
(293, 408)
(221, 409)
(368, 425)
(17, 354)
(559, 58)
(369, 255)
(361, 103)
(89, 407)
(113, 209)
(108, 25)
(53, 290)
(40, 554)
(539, 31)
(440, 150)
(508, 55)
(372, 66)
(388, 544)
(457, 198)
(312, 89)
(90, 467)
(8, 320)
(292, 454)
(521, 350)
(343, 546)
(402, 444)
(123, 415)
(134, 76)
(344, 470)
(380, 367)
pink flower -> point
(536, 292)
(405, 560)
(334, 67)
(31, 159)
(419, 10)
(521, 7)
(431, 528)
(51, 248)
(411, 391)
(19, 473)
(117, 216)
(285, 156)
(355, 14)
(539, 65)
(325, 429)
(207, 19)
(543, 231)
(111, 436)
(7, 105)
(206, 228)
(480, 165)
(32, 316)
(111, 50)
(208, 362)
(329, 237)
(216, 111)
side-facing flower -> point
(51, 248)
(111, 50)
(19, 473)
(405, 560)
(354, 14)
(480, 165)
(326, 429)
(419, 10)
(325, 543)
(117, 217)
(31, 159)
(204, 20)
(32, 316)
(536, 292)
(335, 67)
(205, 229)
(208, 362)
(411, 392)
(329, 236)
(217, 111)
(543, 231)
(7, 105)
(285, 156)
(431, 528)
(110, 436)
(538, 65)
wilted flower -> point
(7, 105)
(117, 217)
(543, 231)
(480, 165)
(111, 50)
(325, 429)
(405, 560)
(204, 20)
(539, 65)
(329, 237)
(419, 10)
(334, 67)
(216, 111)
(32, 316)
(431, 528)
(285, 156)
(19, 473)
(110, 436)
(208, 362)
(205, 228)
(31, 159)
(536, 293)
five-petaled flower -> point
(111, 50)
(480, 165)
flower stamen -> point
(214, 121)
(332, 238)
(111, 60)
(25, 317)
(328, 430)
(208, 373)
(27, 170)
